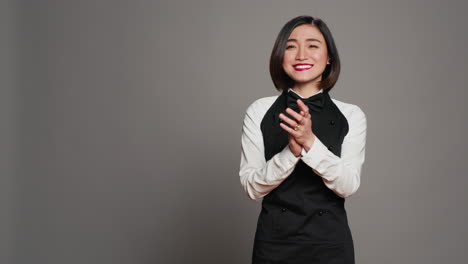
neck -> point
(306, 89)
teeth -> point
(303, 66)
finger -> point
(302, 106)
(294, 114)
(288, 120)
(289, 130)
(305, 115)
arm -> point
(257, 176)
(342, 175)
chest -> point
(329, 125)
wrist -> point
(308, 145)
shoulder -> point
(259, 107)
(352, 112)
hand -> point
(295, 147)
(303, 135)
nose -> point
(301, 53)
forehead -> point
(306, 31)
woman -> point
(302, 152)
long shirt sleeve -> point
(257, 176)
(342, 175)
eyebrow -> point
(310, 39)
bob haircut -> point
(331, 73)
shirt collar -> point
(321, 91)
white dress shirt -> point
(340, 174)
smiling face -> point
(305, 56)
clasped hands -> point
(302, 136)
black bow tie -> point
(315, 102)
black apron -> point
(302, 220)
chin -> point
(302, 81)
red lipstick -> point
(302, 66)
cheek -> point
(320, 56)
(286, 60)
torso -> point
(302, 215)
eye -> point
(290, 46)
(313, 46)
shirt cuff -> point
(288, 156)
(316, 154)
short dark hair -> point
(332, 71)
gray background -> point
(121, 126)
